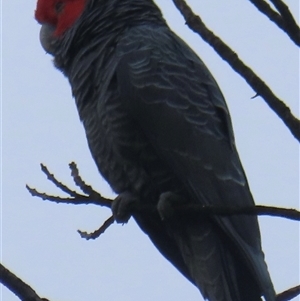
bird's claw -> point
(122, 207)
(166, 204)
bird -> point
(160, 133)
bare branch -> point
(99, 231)
(79, 199)
(289, 294)
(58, 184)
(289, 20)
(194, 210)
(282, 21)
(186, 209)
(257, 84)
(87, 189)
(90, 197)
(18, 286)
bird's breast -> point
(122, 152)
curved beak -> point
(47, 39)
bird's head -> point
(56, 17)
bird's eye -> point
(59, 6)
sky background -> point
(40, 124)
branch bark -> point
(21, 289)
(257, 84)
(284, 20)
(290, 23)
(289, 294)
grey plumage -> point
(156, 122)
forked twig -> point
(284, 20)
(290, 22)
(187, 209)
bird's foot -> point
(122, 207)
(167, 203)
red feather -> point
(62, 20)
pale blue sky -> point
(40, 124)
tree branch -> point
(99, 231)
(187, 209)
(22, 290)
(90, 196)
(58, 184)
(257, 84)
(289, 294)
(290, 23)
(284, 22)
(194, 210)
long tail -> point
(218, 271)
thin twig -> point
(79, 199)
(21, 289)
(90, 197)
(87, 189)
(58, 184)
(99, 231)
(277, 105)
